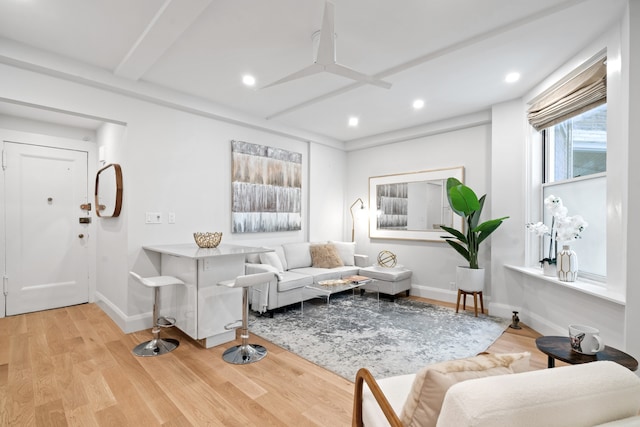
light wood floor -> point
(73, 367)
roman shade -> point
(585, 91)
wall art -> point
(266, 188)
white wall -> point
(548, 307)
(631, 88)
(111, 258)
(509, 195)
(175, 161)
(433, 263)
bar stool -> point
(245, 353)
(157, 346)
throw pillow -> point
(347, 251)
(325, 256)
(431, 383)
(272, 259)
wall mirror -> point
(412, 206)
(109, 191)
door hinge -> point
(5, 285)
(86, 206)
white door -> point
(46, 245)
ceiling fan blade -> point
(349, 73)
(326, 53)
(307, 71)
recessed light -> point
(418, 104)
(512, 77)
(248, 80)
(353, 121)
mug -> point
(585, 339)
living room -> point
(176, 157)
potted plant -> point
(563, 228)
(465, 203)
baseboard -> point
(128, 324)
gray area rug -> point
(387, 337)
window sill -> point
(584, 286)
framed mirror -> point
(412, 206)
(108, 193)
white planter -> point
(549, 269)
(470, 279)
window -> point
(576, 147)
(575, 153)
(572, 118)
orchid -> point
(563, 227)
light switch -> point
(172, 218)
(153, 218)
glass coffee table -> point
(327, 288)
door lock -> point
(81, 235)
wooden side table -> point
(560, 348)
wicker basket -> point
(208, 240)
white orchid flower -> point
(563, 228)
(538, 228)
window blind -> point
(585, 91)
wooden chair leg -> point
(458, 302)
(475, 303)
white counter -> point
(191, 250)
(201, 307)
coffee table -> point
(326, 288)
(560, 348)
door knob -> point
(81, 235)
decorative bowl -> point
(208, 240)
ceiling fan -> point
(325, 57)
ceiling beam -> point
(171, 20)
(430, 56)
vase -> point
(549, 269)
(567, 264)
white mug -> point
(585, 339)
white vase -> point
(567, 264)
(549, 269)
(470, 279)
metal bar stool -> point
(157, 346)
(245, 353)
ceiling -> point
(453, 54)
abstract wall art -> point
(266, 188)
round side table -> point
(560, 348)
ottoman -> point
(390, 281)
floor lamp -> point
(353, 222)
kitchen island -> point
(202, 308)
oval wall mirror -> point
(109, 191)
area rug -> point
(388, 337)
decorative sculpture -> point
(387, 259)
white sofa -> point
(598, 393)
(295, 268)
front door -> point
(46, 244)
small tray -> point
(333, 282)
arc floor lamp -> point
(353, 221)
